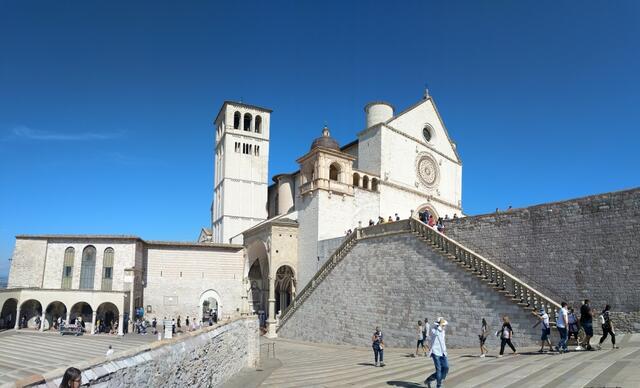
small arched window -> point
(258, 124)
(107, 269)
(374, 184)
(356, 179)
(365, 182)
(88, 267)
(247, 122)
(334, 172)
(67, 268)
(236, 120)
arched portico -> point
(82, 310)
(8, 314)
(29, 311)
(54, 310)
(209, 303)
(108, 314)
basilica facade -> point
(266, 239)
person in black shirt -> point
(586, 321)
(506, 333)
(607, 328)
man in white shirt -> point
(109, 351)
(438, 352)
(561, 323)
(546, 329)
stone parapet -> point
(207, 357)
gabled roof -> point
(435, 107)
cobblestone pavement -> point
(26, 352)
(313, 365)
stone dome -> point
(326, 141)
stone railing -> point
(337, 256)
(499, 278)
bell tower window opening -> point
(247, 122)
(236, 120)
(257, 150)
(258, 124)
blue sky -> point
(106, 107)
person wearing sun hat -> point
(438, 353)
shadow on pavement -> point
(406, 384)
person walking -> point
(506, 335)
(561, 323)
(425, 334)
(543, 318)
(378, 346)
(586, 321)
(109, 351)
(573, 328)
(438, 353)
(607, 328)
(420, 335)
(186, 323)
(484, 333)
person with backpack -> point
(506, 334)
(421, 338)
(543, 318)
(607, 327)
(574, 329)
(586, 321)
(378, 346)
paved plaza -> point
(26, 352)
(312, 365)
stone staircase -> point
(411, 259)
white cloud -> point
(33, 134)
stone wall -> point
(393, 281)
(205, 358)
(581, 248)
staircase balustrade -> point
(503, 281)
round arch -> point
(356, 179)
(54, 310)
(107, 313)
(81, 310)
(428, 207)
(210, 303)
(29, 311)
(335, 172)
(284, 287)
(8, 313)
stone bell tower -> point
(240, 170)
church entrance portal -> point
(284, 287)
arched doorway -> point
(284, 287)
(30, 310)
(427, 207)
(8, 314)
(53, 312)
(257, 267)
(210, 307)
(107, 314)
(81, 310)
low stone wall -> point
(205, 358)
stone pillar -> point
(293, 290)
(17, 325)
(93, 322)
(120, 324)
(42, 318)
(68, 317)
(271, 320)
